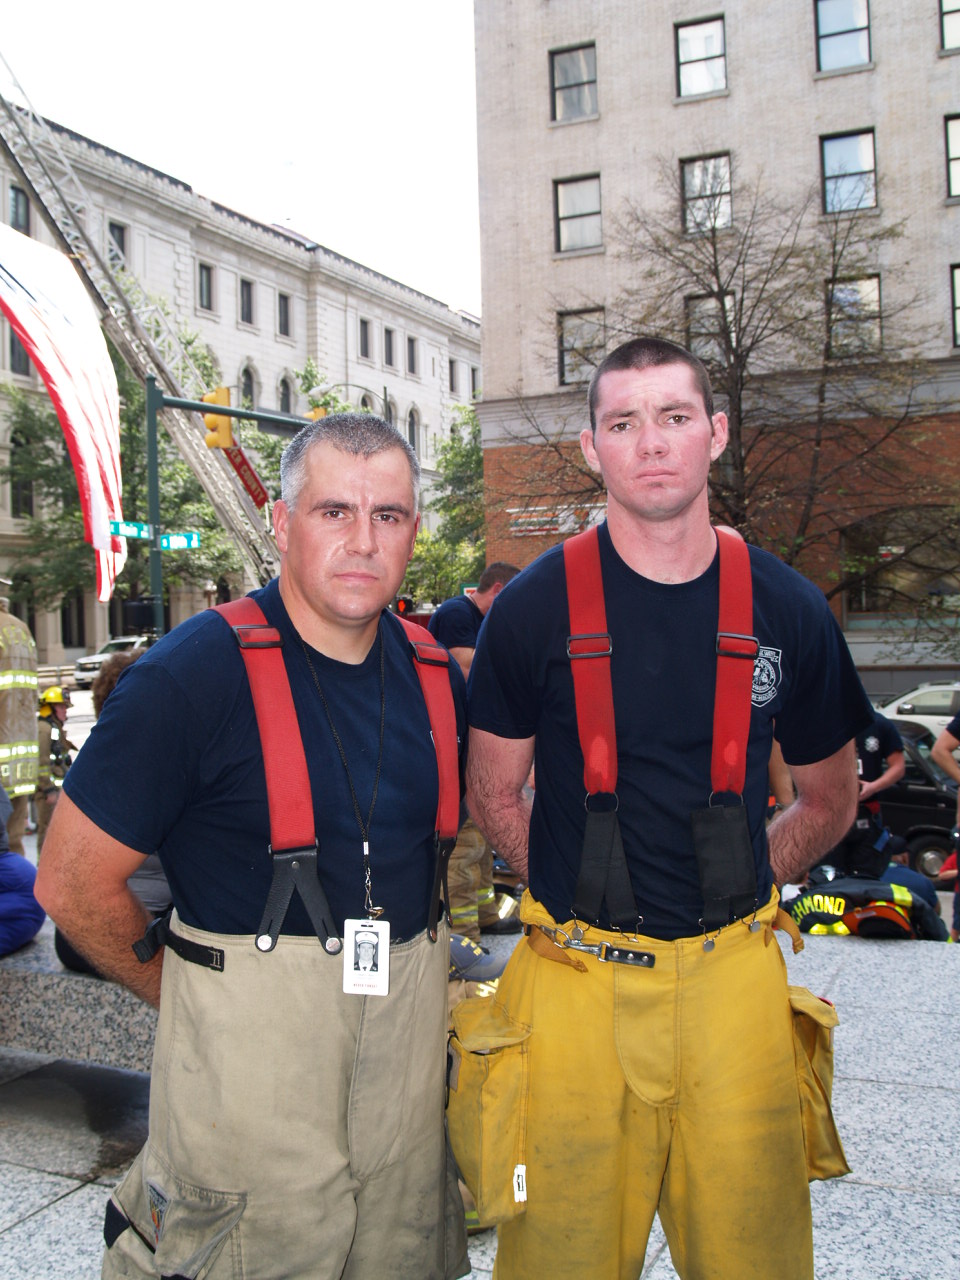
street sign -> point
(128, 529)
(179, 541)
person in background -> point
(19, 750)
(21, 916)
(55, 755)
(473, 901)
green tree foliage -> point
(443, 561)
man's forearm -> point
(105, 938)
(506, 824)
(799, 836)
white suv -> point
(932, 705)
(85, 669)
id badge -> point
(366, 957)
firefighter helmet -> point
(56, 695)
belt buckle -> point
(608, 953)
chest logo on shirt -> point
(766, 676)
(871, 744)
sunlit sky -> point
(351, 123)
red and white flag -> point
(52, 314)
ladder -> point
(139, 328)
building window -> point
(21, 489)
(710, 331)
(452, 376)
(205, 287)
(388, 355)
(577, 210)
(19, 360)
(365, 339)
(286, 398)
(411, 355)
(955, 282)
(573, 83)
(707, 198)
(853, 316)
(413, 425)
(580, 345)
(953, 155)
(246, 388)
(849, 172)
(950, 23)
(116, 244)
(843, 34)
(19, 210)
(246, 301)
(701, 58)
(474, 382)
(283, 314)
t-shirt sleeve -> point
(453, 628)
(827, 705)
(502, 689)
(138, 768)
(890, 739)
(953, 728)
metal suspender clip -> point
(749, 645)
(257, 635)
(592, 650)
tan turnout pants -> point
(295, 1131)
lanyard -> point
(372, 911)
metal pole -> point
(154, 402)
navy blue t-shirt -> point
(663, 670)
(456, 624)
(874, 744)
(174, 767)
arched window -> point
(246, 386)
(285, 397)
(21, 489)
(366, 404)
(413, 424)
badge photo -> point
(366, 957)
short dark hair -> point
(362, 434)
(644, 353)
(499, 571)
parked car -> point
(85, 669)
(932, 705)
(922, 806)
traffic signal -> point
(318, 412)
(404, 606)
(219, 432)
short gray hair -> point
(362, 434)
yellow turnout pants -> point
(672, 1088)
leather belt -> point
(606, 952)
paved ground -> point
(67, 1131)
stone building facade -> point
(264, 300)
(588, 101)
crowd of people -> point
(285, 882)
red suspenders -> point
(589, 647)
(293, 842)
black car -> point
(922, 806)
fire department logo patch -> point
(766, 676)
(159, 1202)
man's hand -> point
(82, 885)
(823, 812)
(497, 770)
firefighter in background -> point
(18, 718)
(55, 758)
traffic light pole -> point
(155, 402)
